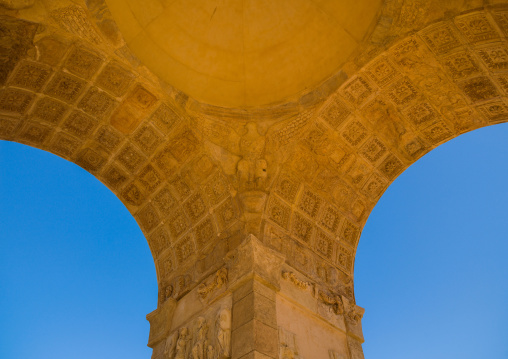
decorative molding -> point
(291, 277)
(334, 301)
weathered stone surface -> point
(296, 161)
(16, 38)
(131, 111)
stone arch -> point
(302, 175)
(428, 88)
(447, 79)
(90, 105)
(150, 143)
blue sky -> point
(432, 264)
(76, 274)
(77, 277)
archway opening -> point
(431, 265)
(76, 274)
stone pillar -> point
(255, 305)
(254, 271)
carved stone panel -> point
(91, 160)
(207, 336)
(479, 89)
(65, 87)
(130, 158)
(65, 145)
(79, 124)
(108, 137)
(114, 79)
(114, 177)
(441, 38)
(147, 218)
(8, 126)
(15, 101)
(96, 103)
(164, 118)
(287, 345)
(496, 58)
(476, 27)
(335, 112)
(133, 109)
(147, 138)
(310, 203)
(30, 75)
(357, 91)
(34, 133)
(164, 201)
(205, 232)
(82, 62)
(49, 110)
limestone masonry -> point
(250, 140)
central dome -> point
(244, 53)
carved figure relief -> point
(224, 333)
(200, 348)
(166, 293)
(170, 346)
(220, 279)
(210, 353)
(355, 314)
(424, 90)
(181, 347)
(251, 169)
(250, 155)
(177, 288)
(200, 340)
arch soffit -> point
(87, 105)
(75, 95)
(447, 79)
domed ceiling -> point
(244, 53)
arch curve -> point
(70, 250)
(428, 88)
(445, 80)
(86, 102)
(303, 175)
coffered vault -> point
(250, 137)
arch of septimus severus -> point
(250, 140)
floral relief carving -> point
(441, 38)
(476, 27)
(30, 75)
(291, 277)
(15, 101)
(49, 110)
